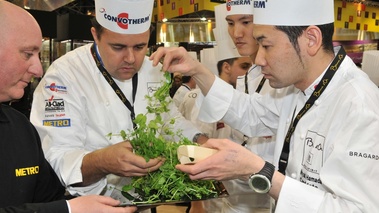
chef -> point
(326, 157)
(92, 93)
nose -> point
(236, 31)
(129, 56)
(36, 68)
(260, 58)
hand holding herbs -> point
(156, 138)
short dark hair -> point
(229, 61)
(294, 32)
(186, 79)
(99, 29)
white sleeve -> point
(240, 111)
(294, 197)
(68, 206)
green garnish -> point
(158, 139)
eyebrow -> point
(242, 18)
(246, 63)
(260, 38)
(31, 48)
(123, 45)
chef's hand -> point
(117, 159)
(232, 161)
(177, 59)
(97, 204)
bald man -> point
(27, 181)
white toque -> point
(124, 16)
(293, 12)
(238, 7)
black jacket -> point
(27, 181)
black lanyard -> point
(259, 88)
(186, 86)
(315, 95)
(261, 83)
(113, 84)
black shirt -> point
(27, 181)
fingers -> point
(139, 166)
(215, 143)
(154, 164)
(128, 145)
(140, 162)
(108, 200)
(171, 56)
(157, 55)
(130, 209)
(192, 170)
(97, 203)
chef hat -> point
(236, 7)
(225, 47)
(221, 30)
(294, 12)
(124, 16)
(208, 59)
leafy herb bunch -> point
(156, 138)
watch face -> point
(260, 183)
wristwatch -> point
(196, 137)
(261, 182)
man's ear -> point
(94, 34)
(314, 39)
(226, 68)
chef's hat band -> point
(294, 12)
(124, 16)
(237, 7)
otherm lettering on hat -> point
(294, 12)
(238, 7)
(124, 16)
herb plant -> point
(156, 138)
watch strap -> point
(268, 170)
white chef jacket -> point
(242, 198)
(180, 93)
(190, 112)
(74, 109)
(334, 151)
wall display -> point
(356, 13)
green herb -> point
(156, 138)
